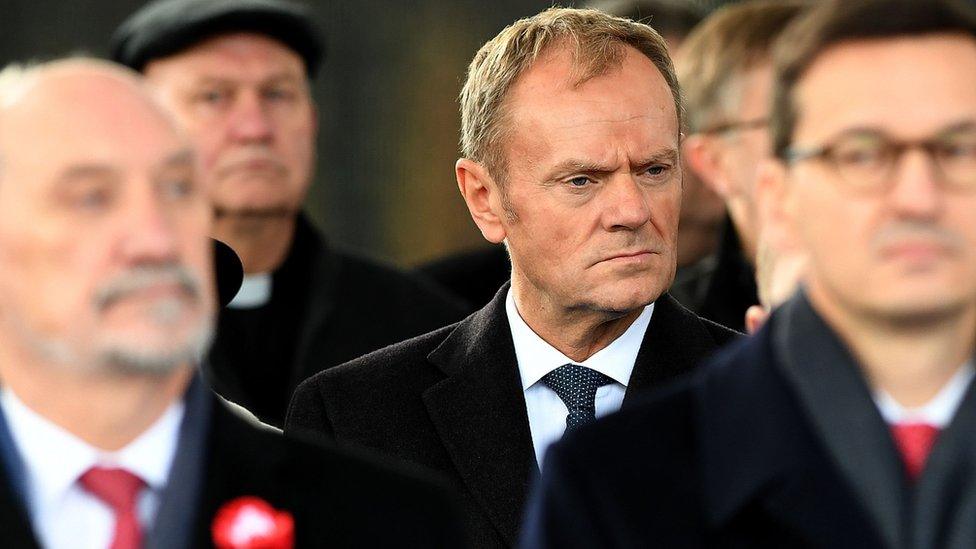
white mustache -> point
(143, 277)
(249, 154)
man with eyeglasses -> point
(849, 420)
(725, 72)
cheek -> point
(665, 211)
(54, 281)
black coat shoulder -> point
(401, 370)
(337, 497)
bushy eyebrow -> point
(275, 78)
(183, 157)
(574, 165)
(106, 171)
(81, 172)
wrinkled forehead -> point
(907, 86)
(84, 116)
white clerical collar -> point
(255, 291)
(938, 411)
(54, 458)
(536, 357)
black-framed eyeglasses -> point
(737, 125)
(866, 160)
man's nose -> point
(916, 190)
(250, 119)
(150, 232)
(627, 207)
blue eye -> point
(211, 96)
(579, 181)
(278, 94)
(179, 188)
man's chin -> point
(254, 212)
(153, 355)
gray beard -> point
(132, 359)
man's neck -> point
(577, 334)
(262, 242)
(911, 361)
(107, 412)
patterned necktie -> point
(576, 385)
(119, 489)
(914, 441)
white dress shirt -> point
(536, 358)
(63, 514)
(938, 411)
(255, 291)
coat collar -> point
(479, 409)
(479, 413)
(760, 453)
(15, 525)
(675, 343)
(310, 243)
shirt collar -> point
(255, 291)
(938, 411)
(536, 357)
(54, 458)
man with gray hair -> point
(570, 135)
(236, 75)
(107, 436)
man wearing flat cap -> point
(236, 75)
(108, 438)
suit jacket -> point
(323, 311)
(776, 443)
(337, 498)
(452, 400)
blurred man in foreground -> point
(107, 436)
(849, 420)
(236, 74)
(725, 70)
(585, 191)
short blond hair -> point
(597, 41)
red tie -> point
(119, 489)
(915, 441)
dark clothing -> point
(326, 307)
(452, 400)
(473, 275)
(776, 443)
(721, 287)
(336, 498)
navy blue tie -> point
(576, 385)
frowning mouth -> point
(253, 165)
(636, 256)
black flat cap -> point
(166, 27)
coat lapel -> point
(321, 300)
(945, 496)
(15, 526)
(834, 395)
(479, 413)
(676, 341)
(764, 472)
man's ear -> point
(774, 206)
(482, 196)
(703, 154)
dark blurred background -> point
(387, 107)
